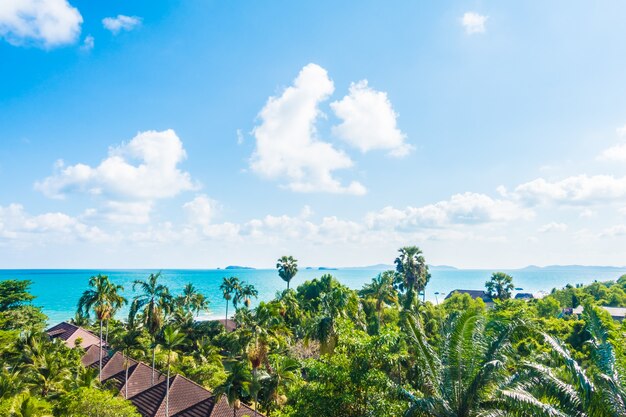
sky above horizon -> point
(199, 134)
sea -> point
(57, 290)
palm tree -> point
(153, 302)
(468, 377)
(323, 327)
(229, 287)
(192, 301)
(500, 286)
(284, 372)
(129, 343)
(236, 385)
(246, 291)
(287, 268)
(381, 289)
(103, 298)
(172, 339)
(412, 273)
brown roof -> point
(187, 399)
(69, 333)
(474, 294)
(230, 325)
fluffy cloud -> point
(474, 22)
(466, 208)
(369, 121)
(145, 168)
(553, 227)
(46, 23)
(16, 224)
(201, 210)
(130, 212)
(580, 189)
(287, 146)
(88, 43)
(120, 23)
(615, 153)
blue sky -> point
(207, 133)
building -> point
(483, 295)
(617, 313)
(187, 399)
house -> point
(617, 313)
(187, 399)
(483, 295)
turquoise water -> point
(58, 291)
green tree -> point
(287, 268)
(548, 307)
(172, 339)
(191, 300)
(230, 287)
(93, 402)
(246, 292)
(25, 405)
(130, 344)
(236, 386)
(500, 286)
(103, 298)
(284, 372)
(413, 275)
(14, 293)
(154, 303)
(382, 291)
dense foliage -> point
(323, 349)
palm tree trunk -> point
(226, 321)
(106, 337)
(126, 381)
(100, 362)
(153, 360)
(167, 387)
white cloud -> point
(466, 208)
(129, 212)
(621, 131)
(369, 121)
(145, 168)
(614, 231)
(615, 153)
(287, 146)
(121, 23)
(88, 43)
(45, 23)
(474, 22)
(586, 213)
(201, 210)
(580, 189)
(553, 227)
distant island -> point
(238, 267)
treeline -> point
(323, 349)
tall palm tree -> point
(103, 298)
(381, 289)
(287, 268)
(236, 385)
(284, 372)
(500, 286)
(117, 301)
(323, 327)
(192, 300)
(245, 293)
(412, 273)
(172, 339)
(129, 343)
(229, 287)
(152, 302)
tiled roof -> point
(69, 333)
(474, 294)
(187, 399)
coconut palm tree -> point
(245, 292)
(413, 275)
(103, 298)
(287, 268)
(192, 300)
(172, 339)
(500, 286)
(323, 327)
(283, 372)
(381, 289)
(153, 303)
(229, 287)
(236, 385)
(129, 343)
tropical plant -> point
(191, 300)
(245, 293)
(413, 275)
(236, 386)
(130, 344)
(382, 291)
(153, 302)
(284, 371)
(103, 298)
(287, 268)
(171, 340)
(500, 286)
(230, 287)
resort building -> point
(186, 398)
(483, 295)
(617, 313)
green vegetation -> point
(323, 349)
